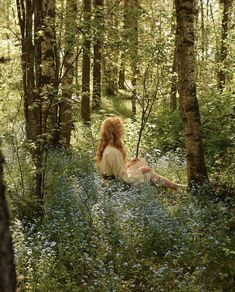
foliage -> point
(220, 109)
(218, 133)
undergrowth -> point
(108, 236)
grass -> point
(98, 236)
(113, 237)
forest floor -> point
(99, 236)
(113, 237)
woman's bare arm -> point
(131, 162)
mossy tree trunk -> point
(196, 169)
(7, 266)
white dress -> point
(112, 164)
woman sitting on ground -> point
(112, 160)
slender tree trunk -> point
(110, 72)
(30, 21)
(122, 69)
(96, 101)
(50, 74)
(111, 51)
(196, 169)
(121, 77)
(76, 72)
(134, 59)
(174, 82)
(38, 160)
(65, 106)
(7, 266)
(85, 103)
(202, 31)
(61, 15)
(174, 79)
(31, 110)
(131, 14)
(224, 46)
(7, 9)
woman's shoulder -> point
(111, 150)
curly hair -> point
(110, 134)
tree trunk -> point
(7, 266)
(121, 77)
(85, 103)
(224, 46)
(111, 50)
(39, 149)
(131, 14)
(174, 79)
(65, 106)
(96, 101)
(202, 31)
(30, 21)
(174, 83)
(49, 74)
(31, 107)
(196, 169)
(110, 72)
(122, 69)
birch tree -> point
(196, 168)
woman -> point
(112, 159)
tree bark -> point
(49, 74)
(174, 82)
(203, 35)
(174, 79)
(224, 46)
(7, 266)
(85, 103)
(30, 21)
(121, 76)
(96, 100)
(196, 169)
(39, 149)
(25, 11)
(111, 50)
(131, 14)
(65, 106)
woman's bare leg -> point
(162, 181)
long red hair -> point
(110, 134)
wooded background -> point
(167, 67)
